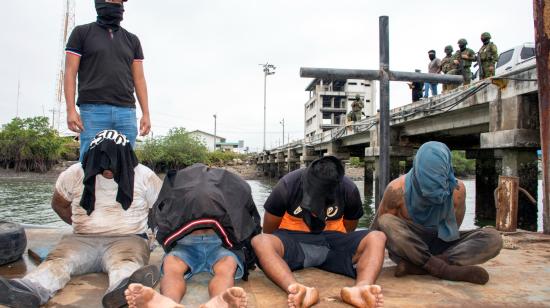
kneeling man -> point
(309, 221)
(106, 199)
(421, 212)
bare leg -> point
(224, 276)
(139, 296)
(369, 259)
(172, 283)
(270, 251)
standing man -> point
(448, 67)
(356, 109)
(488, 54)
(416, 88)
(421, 213)
(464, 58)
(434, 67)
(309, 221)
(109, 63)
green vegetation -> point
(174, 151)
(356, 162)
(178, 150)
(30, 145)
(461, 165)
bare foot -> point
(300, 296)
(363, 296)
(234, 297)
(140, 296)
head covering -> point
(109, 150)
(319, 183)
(109, 15)
(429, 189)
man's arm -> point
(141, 91)
(271, 222)
(459, 202)
(62, 207)
(393, 201)
(72, 62)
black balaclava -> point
(431, 54)
(109, 15)
(462, 47)
(109, 150)
(320, 182)
(485, 40)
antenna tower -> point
(67, 26)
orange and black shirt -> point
(286, 198)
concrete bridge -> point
(496, 121)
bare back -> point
(393, 201)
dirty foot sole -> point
(148, 276)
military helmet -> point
(485, 35)
(462, 42)
(448, 48)
(357, 97)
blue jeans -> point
(427, 87)
(98, 117)
(201, 252)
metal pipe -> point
(384, 132)
(338, 73)
(541, 8)
(335, 73)
(432, 78)
(265, 81)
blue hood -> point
(429, 189)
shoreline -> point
(246, 171)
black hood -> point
(320, 182)
(109, 15)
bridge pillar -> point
(337, 151)
(523, 163)
(520, 162)
(308, 155)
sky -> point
(202, 57)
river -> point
(27, 200)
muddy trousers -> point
(417, 244)
(118, 256)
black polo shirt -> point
(106, 58)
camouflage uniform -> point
(356, 110)
(447, 65)
(488, 55)
(467, 57)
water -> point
(27, 200)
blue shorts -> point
(201, 252)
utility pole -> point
(283, 123)
(215, 118)
(269, 69)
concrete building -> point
(220, 142)
(207, 139)
(330, 100)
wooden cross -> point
(384, 75)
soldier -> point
(448, 67)
(488, 56)
(464, 58)
(356, 109)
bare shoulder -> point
(394, 195)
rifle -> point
(480, 70)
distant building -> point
(330, 100)
(221, 144)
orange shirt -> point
(292, 223)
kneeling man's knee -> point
(387, 222)
(494, 240)
(377, 237)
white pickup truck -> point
(515, 58)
